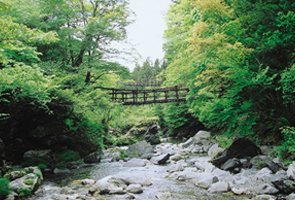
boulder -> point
(203, 180)
(14, 175)
(44, 154)
(160, 160)
(281, 181)
(140, 149)
(134, 188)
(136, 162)
(264, 197)
(219, 187)
(240, 148)
(214, 150)
(94, 157)
(262, 161)
(176, 157)
(291, 171)
(152, 135)
(175, 168)
(109, 185)
(231, 164)
(30, 181)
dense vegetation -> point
(237, 58)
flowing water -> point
(59, 186)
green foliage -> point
(42, 166)
(123, 155)
(4, 188)
(223, 141)
(61, 166)
(68, 156)
(29, 181)
(287, 146)
(34, 162)
(176, 115)
(25, 192)
(237, 58)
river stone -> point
(259, 161)
(219, 187)
(135, 162)
(134, 188)
(94, 157)
(282, 183)
(175, 168)
(223, 176)
(30, 181)
(140, 149)
(110, 185)
(290, 197)
(176, 157)
(14, 175)
(203, 180)
(231, 164)
(160, 160)
(291, 171)
(133, 178)
(214, 150)
(165, 195)
(87, 181)
(264, 197)
(44, 154)
(266, 188)
(264, 173)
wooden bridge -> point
(148, 96)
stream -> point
(60, 186)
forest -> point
(236, 56)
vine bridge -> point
(147, 96)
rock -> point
(134, 188)
(291, 171)
(61, 171)
(262, 161)
(110, 185)
(136, 162)
(201, 136)
(30, 181)
(44, 154)
(176, 157)
(87, 182)
(240, 148)
(219, 187)
(140, 149)
(203, 180)
(263, 174)
(134, 178)
(214, 150)
(266, 150)
(165, 195)
(231, 164)
(160, 160)
(223, 176)
(290, 197)
(94, 157)
(264, 197)
(175, 168)
(188, 143)
(152, 135)
(14, 175)
(282, 183)
(266, 188)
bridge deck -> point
(149, 96)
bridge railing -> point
(148, 96)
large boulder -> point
(140, 149)
(152, 135)
(94, 157)
(45, 154)
(240, 148)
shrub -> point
(24, 192)
(35, 162)
(29, 181)
(61, 166)
(42, 166)
(287, 146)
(4, 188)
(68, 156)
